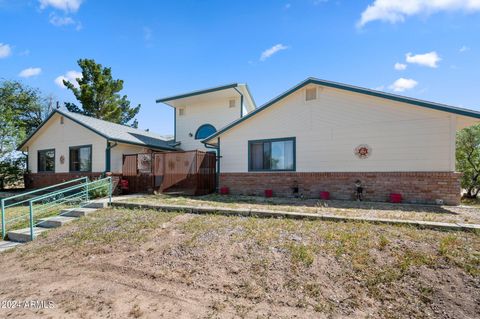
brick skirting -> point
(38, 180)
(415, 187)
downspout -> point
(174, 125)
(218, 164)
(108, 155)
(241, 102)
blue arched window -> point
(205, 131)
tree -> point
(22, 109)
(468, 159)
(99, 95)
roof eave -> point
(194, 93)
(398, 98)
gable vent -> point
(311, 94)
(231, 103)
(181, 111)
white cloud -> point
(403, 84)
(400, 66)
(70, 76)
(5, 50)
(60, 21)
(397, 10)
(271, 51)
(29, 72)
(64, 21)
(65, 5)
(464, 48)
(429, 59)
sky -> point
(427, 49)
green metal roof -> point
(111, 131)
(351, 88)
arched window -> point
(205, 131)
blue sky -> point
(161, 48)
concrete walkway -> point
(296, 215)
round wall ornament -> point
(62, 159)
(363, 151)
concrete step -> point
(99, 204)
(77, 212)
(6, 245)
(23, 235)
(54, 222)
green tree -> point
(468, 159)
(22, 109)
(99, 95)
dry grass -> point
(210, 266)
(451, 214)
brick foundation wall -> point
(39, 180)
(415, 187)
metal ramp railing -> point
(24, 210)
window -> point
(311, 94)
(231, 103)
(181, 111)
(205, 131)
(46, 160)
(81, 158)
(272, 155)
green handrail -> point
(88, 186)
(85, 179)
(80, 197)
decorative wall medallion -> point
(363, 151)
(144, 163)
(62, 159)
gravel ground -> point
(450, 214)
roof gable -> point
(111, 131)
(351, 88)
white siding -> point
(117, 152)
(215, 112)
(60, 137)
(402, 137)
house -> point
(317, 136)
(69, 145)
(324, 136)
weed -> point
(301, 253)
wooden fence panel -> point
(190, 173)
(129, 167)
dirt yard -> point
(449, 214)
(145, 264)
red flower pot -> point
(224, 191)
(325, 195)
(395, 198)
(268, 193)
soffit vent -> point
(311, 94)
